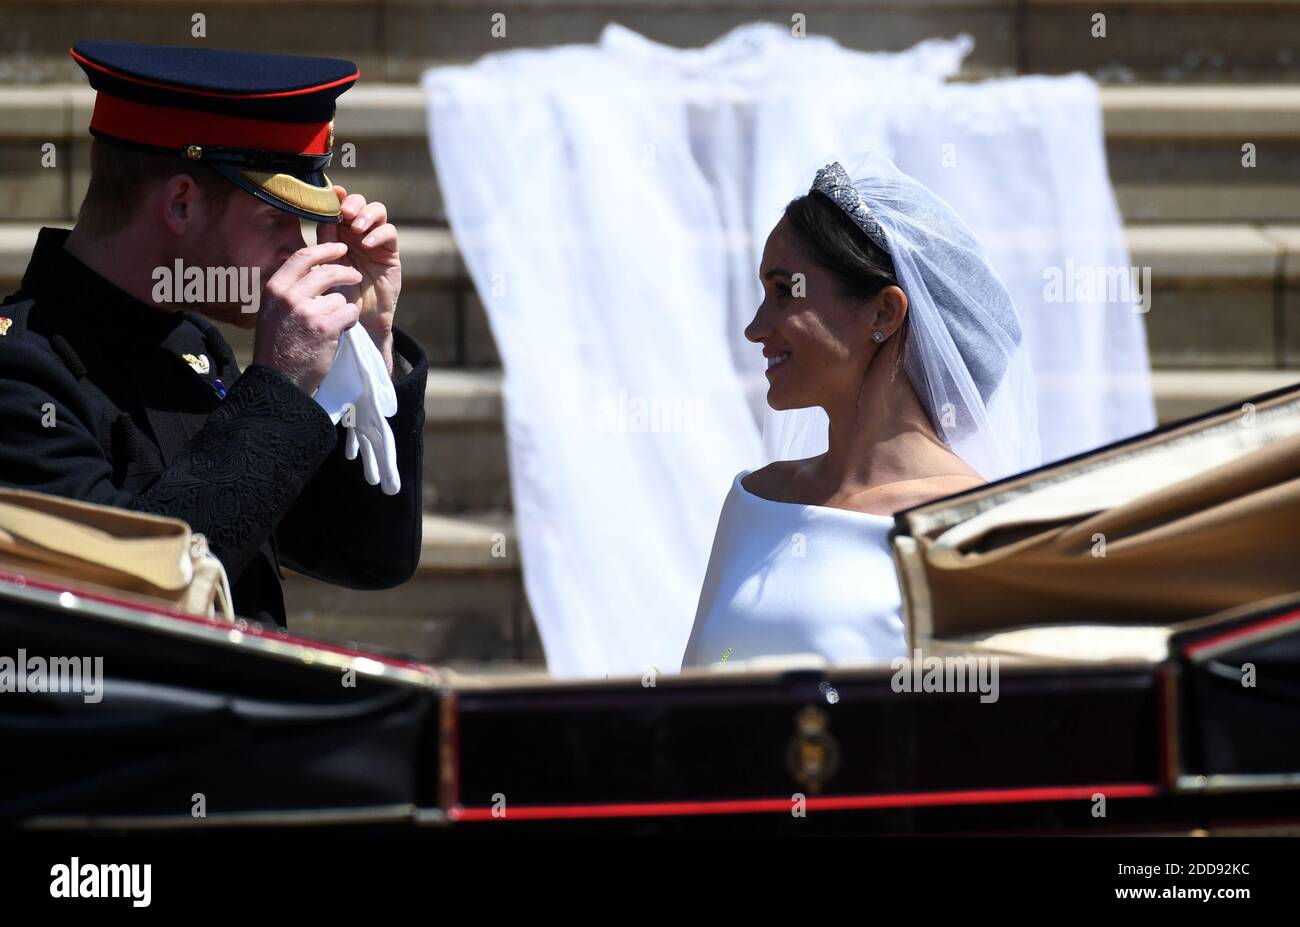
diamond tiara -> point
(834, 182)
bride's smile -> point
(776, 360)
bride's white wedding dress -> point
(785, 578)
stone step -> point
(394, 40)
(1184, 393)
(465, 606)
(1224, 296)
(1175, 152)
(465, 460)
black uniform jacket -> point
(98, 403)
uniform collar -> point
(115, 314)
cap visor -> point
(285, 191)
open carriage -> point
(1157, 693)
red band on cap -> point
(172, 127)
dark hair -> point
(835, 241)
(121, 175)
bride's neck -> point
(882, 437)
(864, 454)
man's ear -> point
(177, 199)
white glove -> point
(359, 379)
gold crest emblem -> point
(5, 322)
(329, 145)
(200, 363)
(813, 755)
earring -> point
(879, 337)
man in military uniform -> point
(111, 393)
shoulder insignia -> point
(5, 322)
(200, 363)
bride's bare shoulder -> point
(922, 491)
(771, 481)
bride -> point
(867, 275)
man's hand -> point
(299, 325)
(372, 250)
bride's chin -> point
(778, 404)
